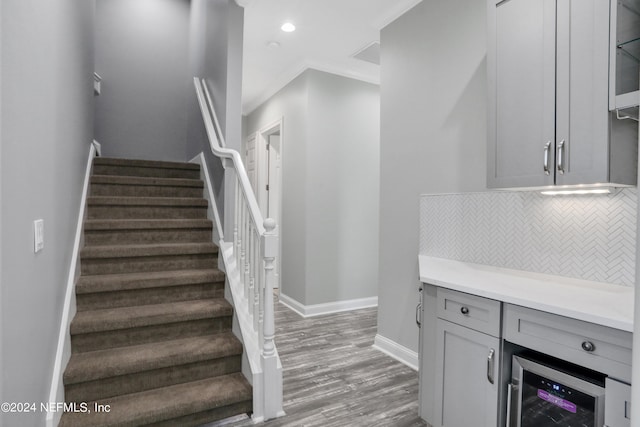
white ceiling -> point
(328, 33)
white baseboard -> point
(63, 352)
(400, 353)
(329, 307)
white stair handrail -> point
(218, 147)
(250, 264)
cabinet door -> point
(464, 396)
(582, 126)
(521, 80)
(617, 402)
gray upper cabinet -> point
(548, 80)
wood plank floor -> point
(334, 378)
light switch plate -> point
(38, 235)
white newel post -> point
(272, 376)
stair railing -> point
(252, 256)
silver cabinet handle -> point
(490, 365)
(561, 157)
(588, 346)
(547, 148)
(419, 308)
(464, 310)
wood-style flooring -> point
(333, 377)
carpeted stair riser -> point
(92, 341)
(105, 166)
(115, 211)
(111, 185)
(134, 383)
(98, 238)
(146, 172)
(128, 282)
(139, 297)
(147, 264)
(170, 406)
(140, 231)
(198, 419)
(144, 191)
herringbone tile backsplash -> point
(586, 237)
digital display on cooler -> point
(558, 401)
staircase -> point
(151, 341)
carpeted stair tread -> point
(146, 201)
(146, 181)
(156, 279)
(145, 224)
(101, 364)
(112, 161)
(92, 321)
(165, 403)
(131, 251)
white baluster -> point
(236, 237)
(245, 259)
(254, 270)
(270, 249)
(272, 377)
(252, 282)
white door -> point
(251, 160)
(274, 151)
(263, 154)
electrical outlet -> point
(38, 235)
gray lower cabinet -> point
(617, 404)
(466, 344)
(467, 363)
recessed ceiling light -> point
(288, 27)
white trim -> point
(250, 106)
(98, 147)
(329, 307)
(63, 352)
(400, 353)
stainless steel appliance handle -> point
(490, 368)
(547, 148)
(561, 157)
(510, 389)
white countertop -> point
(595, 302)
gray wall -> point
(142, 54)
(290, 104)
(47, 127)
(330, 186)
(342, 174)
(433, 138)
(215, 45)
